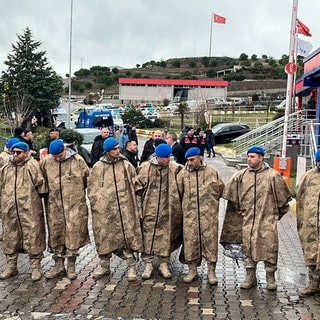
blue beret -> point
(256, 149)
(56, 147)
(21, 145)
(163, 150)
(192, 152)
(109, 144)
(318, 155)
(11, 142)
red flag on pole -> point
(218, 19)
(303, 29)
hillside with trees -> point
(267, 71)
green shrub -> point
(41, 138)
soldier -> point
(157, 192)
(67, 213)
(6, 154)
(308, 195)
(115, 218)
(22, 184)
(189, 140)
(200, 188)
(257, 199)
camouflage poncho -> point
(161, 208)
(200, 192)
(257, 200)
(4, 158)
(21, 207)
(308, 216)
(67, 211)
(115, 218)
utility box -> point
(283, 166)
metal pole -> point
(70, 55)
(289, 78)
(210, 36)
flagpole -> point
(70, 56)
(289, 78)
(210, 35)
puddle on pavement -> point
(292, 276)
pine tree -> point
(29, 85)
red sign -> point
(291, 67)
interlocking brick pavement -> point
(113, 297)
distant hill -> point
(245, 75)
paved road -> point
(115, 298)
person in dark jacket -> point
(130, 152)
(177, 150)
(202, 142)
(133, 136)
(97, 147)
(190, 140)
(149, 147)
(210, 143)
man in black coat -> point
(149, 147)
(177, 150)
(97, 147)
(132, 135)
(130, 152)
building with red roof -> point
(132, 90)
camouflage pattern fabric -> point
(161, 208)
(258, 200)
(115, 218)
(21, 207)
(66, 208)
(4, 158)
(308, 214)
(200, 191)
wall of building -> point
(146, 93)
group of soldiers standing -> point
(152, 210)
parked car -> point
(282, 105)
(147, 111)
(172, 107)
(226, 132)
(88, 138)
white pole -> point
(70, 55)
(289, 78)
(210, 35)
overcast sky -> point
(129, 32)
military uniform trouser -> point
(63, 252)
(269, 267)
(148, 258)
(128, 255)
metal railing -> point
(300, 131)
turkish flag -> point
(303, 29)
(218, 19)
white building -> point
(134, 90)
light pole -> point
(70, 55)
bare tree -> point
(18, 111)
